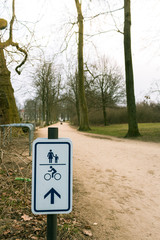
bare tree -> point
(84, 123)
(47, 84)
(107, 84)
(73, 93)
(8, 111)
(131, 106)
(31, 110)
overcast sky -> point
(53, 16)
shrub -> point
(148, 113)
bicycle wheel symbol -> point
(57, 176)
(48, 176)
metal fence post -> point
(3, 131)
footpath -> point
(116, 185)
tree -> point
(47, 85)
(8, 112)
(131, 106)
(84, 123)
(73, 93)
(107, 84)
(31, 112)
(8, 109)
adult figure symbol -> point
(50, 156)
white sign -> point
(52, 176)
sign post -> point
(52, 178)
(52, 219)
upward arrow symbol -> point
(52, 191)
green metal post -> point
(30, 141)
(52, 218)
(4, 131)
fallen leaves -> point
(16, 220)
(26, 217)
(6, 232)
(87, 232)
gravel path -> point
(117, 185)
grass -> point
(150, 132)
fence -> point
(6, 133)
(15, 185)
(15, 180)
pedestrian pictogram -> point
(51, 155)
(52, 176)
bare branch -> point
(98, 33)
(12, 21)
(67, 38)
(25, 57)
(10, 42)
(93, 76)
(102, 13)
(114, 19)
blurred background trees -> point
(106, 86)
(77, 82)
(44, 108)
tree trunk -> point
(43, 108)
(104, 115)
(35, 107)
(8, 108)
(47, 105)
(77, 99)
(104, 108)
(77, 110)
(84, 123)
(131, 106)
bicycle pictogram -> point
(52, 173)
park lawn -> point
(149, 131)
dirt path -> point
(117, 185)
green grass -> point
(149, 131)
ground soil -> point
(116, 193)
(116, 184)
(17, 222)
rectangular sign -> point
(52, 176)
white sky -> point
(53, 15)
